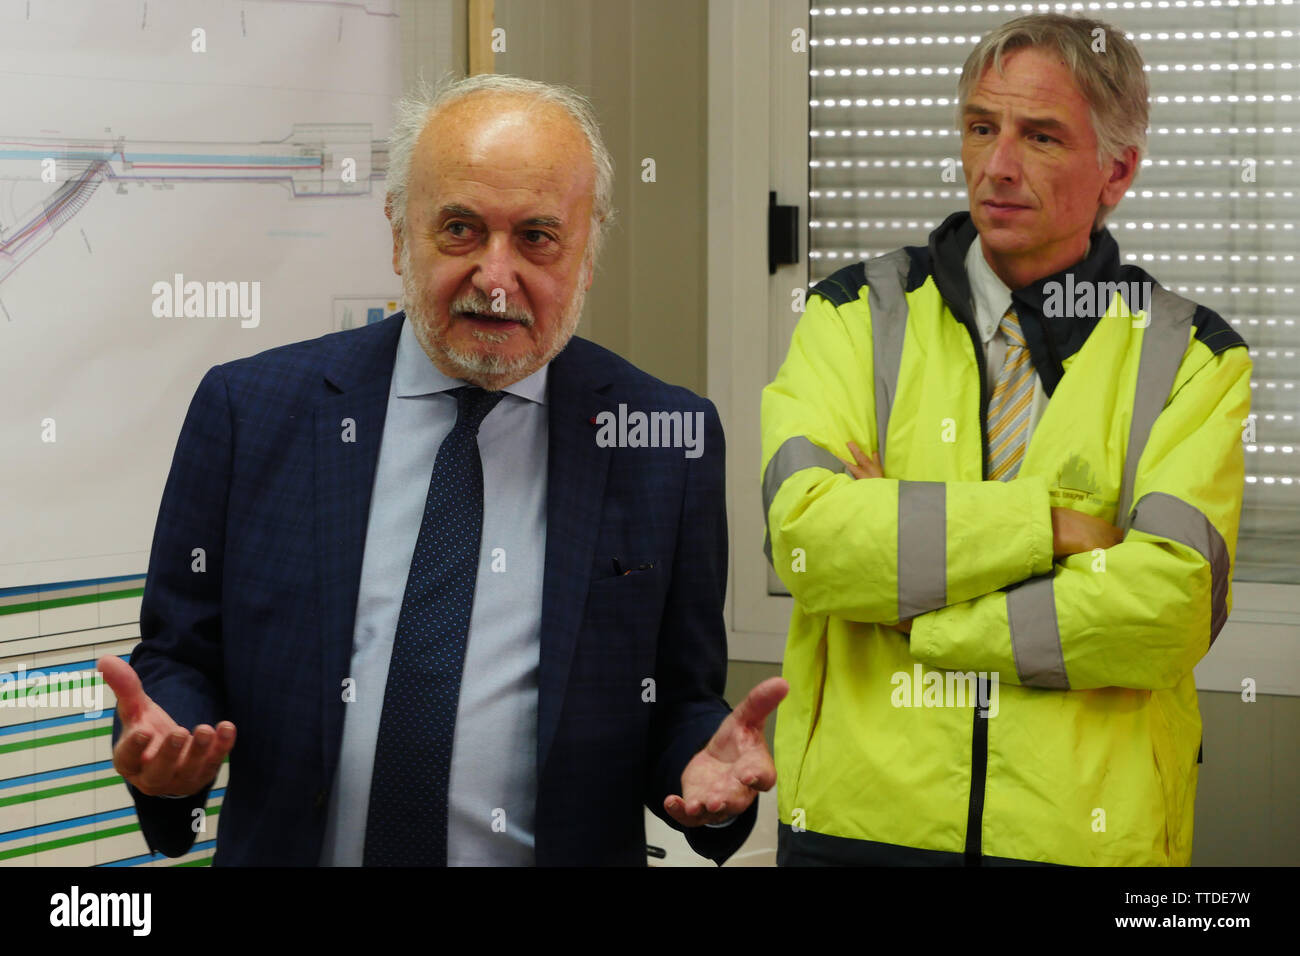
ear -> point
(1122, 171)
(589, 263)
(397, 236)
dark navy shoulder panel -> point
(842, 286)
(1215, 333)
(1209, 328)
(919, 270)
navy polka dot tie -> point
(407, 822)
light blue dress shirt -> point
(493, 782)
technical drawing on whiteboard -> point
(182, 185)
(323, 159)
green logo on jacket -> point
(1076, 475)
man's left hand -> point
(723, 779)
(862, 466)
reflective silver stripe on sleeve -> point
(1167, 516)
(1163, 343)
(1035, 634)
(886, 280)
(795, 454)
(922, 547)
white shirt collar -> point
(415, 374)
(992, 296)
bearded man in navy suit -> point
(456, 616)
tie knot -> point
(473, 404)
(1010, 327)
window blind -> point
(1211, 215)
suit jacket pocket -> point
(619, 640)
(630, 602)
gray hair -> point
(1111, 79)
(414, 109)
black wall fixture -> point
(782, 234)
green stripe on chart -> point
(60, 791)
(77, 838)
(57, 739)
(37, 690)
(47, 603)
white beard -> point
(475, 364)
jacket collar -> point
(1051, 339)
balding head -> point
(415, 109)
(494, 243)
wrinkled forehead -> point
(1032, 79)
(505, 147)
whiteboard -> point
(227, 147)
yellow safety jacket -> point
(1040, 710)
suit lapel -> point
(360, 379)
(576, 473)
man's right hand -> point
(1074, 532)
(155, 754)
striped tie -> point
(1008, 421)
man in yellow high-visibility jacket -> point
(1002, 478)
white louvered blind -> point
(1212, 215)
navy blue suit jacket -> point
(262, 636)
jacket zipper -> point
(980, 735)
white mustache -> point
(482, 306)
